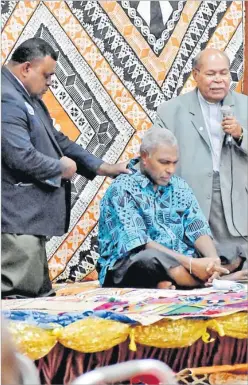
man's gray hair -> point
(155, 137)
(197, 59)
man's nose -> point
(171, 168)
(218, 78)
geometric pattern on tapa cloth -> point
(117, 62)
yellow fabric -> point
(132, 345)
(234, 325)
(93, 335)
(32, 341)
(96, 334)
(170, 334)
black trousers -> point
(142, 270)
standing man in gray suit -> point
(214, 153)
(38, 163)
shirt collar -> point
(141, 178)
(206, 102)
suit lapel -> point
(197, 117)
(44, 117)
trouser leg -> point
(24, 267)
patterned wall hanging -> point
(118, 60)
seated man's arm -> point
(205, 245)
(202, 268)
(198, 233)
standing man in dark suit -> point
(38, 163)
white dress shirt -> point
(213, 118)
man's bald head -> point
(209, 54)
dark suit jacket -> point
(34, 198)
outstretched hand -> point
(113, 170)
(121, 168)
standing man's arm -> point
(231, 126)
(19, 153)
(88, 164)
(242, 141)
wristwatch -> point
(239, 140)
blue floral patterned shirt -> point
(133, 214)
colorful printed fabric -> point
(116, 64)
(144, 306)
(45, 320)
(148, 305)
(133, 214)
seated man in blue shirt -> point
(151, 229)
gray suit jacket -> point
(34, 198)
(182, 115)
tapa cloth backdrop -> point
(117, 62)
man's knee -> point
(148, 259)
(182, 277)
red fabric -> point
(145, 379)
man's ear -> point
(25, 68)
(144, 156)
(195, 74)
